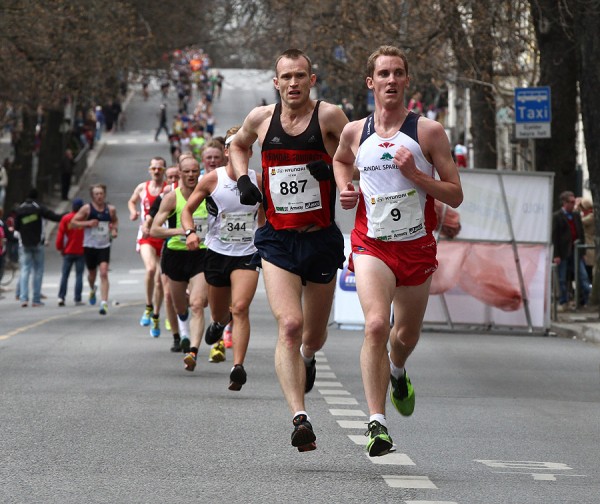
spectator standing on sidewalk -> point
(566, 228)
(69, 242)
(29, 222)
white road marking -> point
(340, 400)
(352, 424)
(400, 481)
(128, 282)
(359, 439)
(333, 392)
(392, 459)
(429, 502)
(347, 412)
(327, 384)
(327, 375)
(323, 367)
(525, 464)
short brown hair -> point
(158, 158)
(96, 186)
(566, 196)
(294, 54)
(385, 50)
(212, 144)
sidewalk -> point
(583, 324)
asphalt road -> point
(94, 410)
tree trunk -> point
(51, 152)
(587, 20)
(20, 176)
(558, 70)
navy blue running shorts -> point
(313, 256)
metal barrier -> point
(576, 259)
(554, 293)
(80, 163)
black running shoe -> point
(176, 345)
(185, 345)
(214, 332)
(380, 442)
(311, 374)
(303, 436)
(237, 377)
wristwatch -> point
(188, 232)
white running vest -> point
(394, 207)
(231, 232)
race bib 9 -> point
(397, 216)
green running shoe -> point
(402, 395)
(380, 442)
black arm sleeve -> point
(155, 206)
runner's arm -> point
(81, 218)
(167, 206)
(199, 194)
(343, 165)
(434, 144)
(133, 202)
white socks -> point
(307, 360)
(380, 418)
(395, 371)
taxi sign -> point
(533, 112)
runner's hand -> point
(249, 193)
(320, 170)
(349, 197)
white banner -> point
(483, 215)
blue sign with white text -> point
(533, 105)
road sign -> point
(533, 112)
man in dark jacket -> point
(566, 228)
(29, 222)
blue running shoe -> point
(145, 320)
(155, 327)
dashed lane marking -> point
(327, 384)
(400, 481)
(347, 412)
(340, 400)
(392, 459)
(333, 392)
(326, 375)
(429, 502)
(359, 439)
(352, 424)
